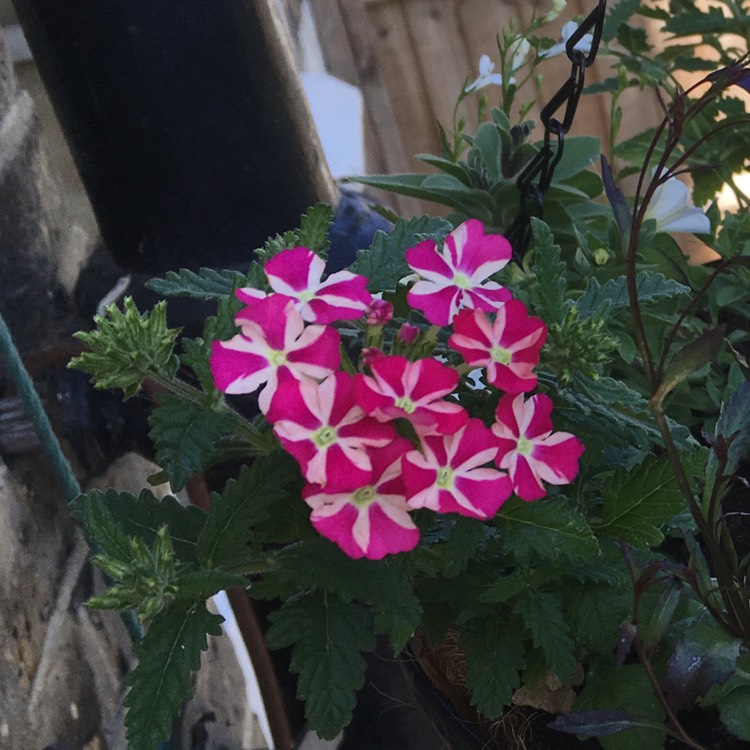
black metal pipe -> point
(185, 122)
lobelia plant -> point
(537, 465)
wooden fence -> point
(411, 58)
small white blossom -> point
(486, 75)
(673, 210)
(583, 45)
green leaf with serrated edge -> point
(207, 284)
(143, 516)
(314, 227)
(617, 14)
(598, 299)
(542, 615)
(322, 565)
(733, 424)
(328, 637)
(384, 263)
(197, 585)
(167, 655)
(594, 612)
(126, 347)
(712, 22)
(244, 503)
(184, 434)
(636, 503)
(91, 510)
(548, 295)
(513, 584)
(545, 529)
(464, 541)
(584, 409)
(628, 688)
(494, 655)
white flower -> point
(486, 76)
(518, 50)
(583, 45)
(673, 210)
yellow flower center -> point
(324, 436)
(461, 280)
(500, 355)
(524, 446)
(444, 478)
(364, 495)
(406, 404)
(278, 359)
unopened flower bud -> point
(369, 353)
(408, 333)
(379, 312)
(600, 256)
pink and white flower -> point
(450, 474)
(297, 273)
(274, 339)
(528, 448)
(371, 521)
(326, 431)
(508, 348)
(457, 276)
(412, 390)
(379, 312)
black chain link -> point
(536, 177)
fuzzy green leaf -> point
(464, 541)
(207, 284)
(167, 655)
(594, 612)
(244, 502)
(327, 636)
(598, 299)
(542, 614)
(142, 517)
(548, 295)
(314, 227)
(319, 564)
(547, 529)
(126, 347)
(384, 263)
(495, 655)
(636, 503)
(185, 434)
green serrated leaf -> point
(495, 656)
(327, 636)
(92, 511)
(542, 615)
(548, 295)
(599, 299)
(636, 503)
(198, 585)
(143, 516)
(594, 612)
(127, 347)
(167, 655)
(547, 529)
(244, 502)
(322, 565)
(314, 228)
(465, 539)
(207, 284)
(384, 263)
(184, 434)
(617, 14)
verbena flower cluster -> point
(363, 477)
